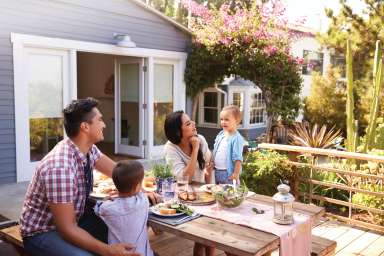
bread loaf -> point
(167, 211)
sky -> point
(313, 10)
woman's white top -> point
(178, 160)
(221, 155)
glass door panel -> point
(163, 100)
(129, 127)
(45, 87)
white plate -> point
(156, 210)
(206, 186)
(96, 195)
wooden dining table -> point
(233, 238)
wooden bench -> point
(12, 236)
(320, 246)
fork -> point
(186, 217)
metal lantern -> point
(283, 205)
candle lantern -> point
(283, 205)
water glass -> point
(182, 183)
(168, 190)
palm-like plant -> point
(315, 137)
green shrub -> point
(371, 201)
(263, 171)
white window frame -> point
(244, 92)
(257, 125)
(201, 108)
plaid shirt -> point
(59, 178)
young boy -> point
(126, 216)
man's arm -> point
(65, 222)
(105, 165)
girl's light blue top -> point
(234, 149)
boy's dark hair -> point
(76, 112)
(127, 174)
(173, 132)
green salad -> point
(230, 197)
(180, 207)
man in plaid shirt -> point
(55, 219)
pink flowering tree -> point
(253, 43)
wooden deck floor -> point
(350, 241)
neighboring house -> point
(54, 51)
(246, 95)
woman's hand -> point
(195, 142)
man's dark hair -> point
(173, 132)
(127, 174)
(76, 112)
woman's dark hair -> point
(127, 174)
(173, 132)
(76, 112)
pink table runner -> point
(295, 239)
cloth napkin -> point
(174, 221)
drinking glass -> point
(182, 183)
(168, 191)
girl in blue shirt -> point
(228, 147)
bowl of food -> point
(229, 196)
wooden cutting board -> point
(203, 198)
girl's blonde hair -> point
(234, 110)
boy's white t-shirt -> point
(126, 219)
(221, 155)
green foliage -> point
(263, 171)
(326, 101)
(362, 29)
(276, 75)
(316, 137)
(351, 144)
(374, 109)
(371, 201)
(162, 171)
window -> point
(210, 108)
(257, 109)
(338, 61)
(313, 61)
(238, 100)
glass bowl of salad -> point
(229, 196)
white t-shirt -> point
(178, 160)
(221, 155)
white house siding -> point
(85, 20)
(309, 43)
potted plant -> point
(162, 173)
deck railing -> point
(343, 164)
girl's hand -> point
(234, 176)
(195, 142)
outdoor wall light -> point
(123, 40)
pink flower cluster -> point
(263, 25)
